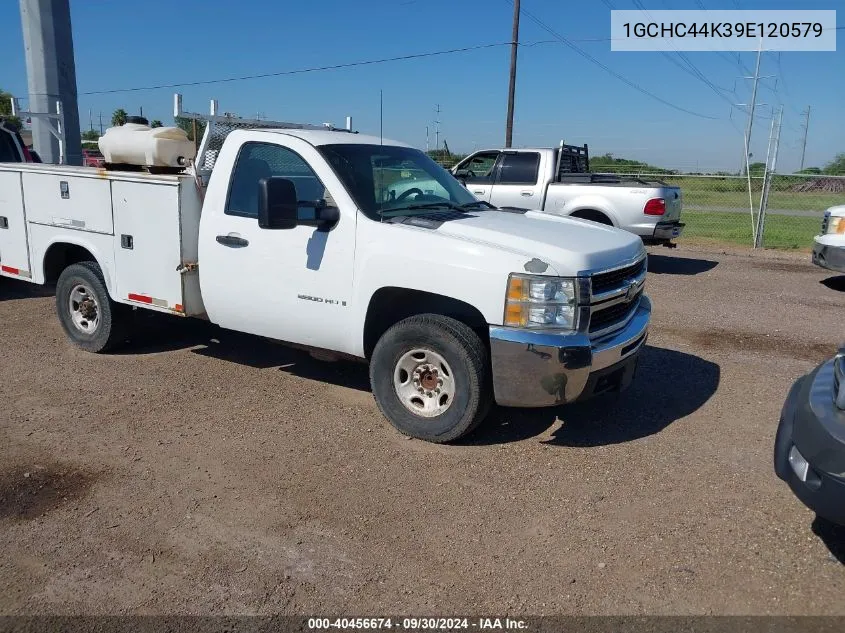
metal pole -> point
(753, 98)
(51, 76)
(804, 144)
(512, 84)
(437, 129)
(767, 186)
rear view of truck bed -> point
(142, 228)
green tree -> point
(118, 117)
(6, 109)
(836, 167)
(156, 123)
(90, 135)
(757, 169)
(188, 126)
(811, 170)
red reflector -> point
(655, 206)
(141, 298)
(10, 270)
(178, 307)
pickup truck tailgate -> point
(674, 202)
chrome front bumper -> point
(830, 257)
(539, 369)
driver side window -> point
(479, 169)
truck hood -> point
(570, 246)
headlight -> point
(541, 302)
(836, 225)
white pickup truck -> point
(829, 245)
(558, 181)
(297, 235)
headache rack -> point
(219, 126)
(573, 167)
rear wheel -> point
(430, 378)
(88, 315)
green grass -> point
(732, 193)
(781, 231)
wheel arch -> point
(390, 304)
(64, 251)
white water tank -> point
(139, 144)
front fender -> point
(421, 259)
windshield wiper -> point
(444, 206)
(470, 205)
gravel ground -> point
(206, 472)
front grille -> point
(603, 319)
(604, 282)
(825, 222)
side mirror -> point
(461, 175)
(277, 203)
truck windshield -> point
(387, 180)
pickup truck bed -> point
(143, 228)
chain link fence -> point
(726, 209)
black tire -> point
(109, 330)
(466, 355)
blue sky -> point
(559, 94)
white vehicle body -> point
(829, 245)
(533, 179)
(167, 243)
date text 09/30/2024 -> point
(418, 624)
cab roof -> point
(335, 137)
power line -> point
(608, 70)
(300, 71)
(693, 69)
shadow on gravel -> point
(669, 265)
(837, 282)
(646, 408)
(14, 289)
(153, 333)
(832, 535)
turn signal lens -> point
(516, 289)
(836, 225)
(540, 301)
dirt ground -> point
(205, 472)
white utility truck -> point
(296, 234)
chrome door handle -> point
(479, 192)
(232, 241)
(527, 193)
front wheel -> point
(87, 313)
(430, 378)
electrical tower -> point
(437, 127)
(806, 128)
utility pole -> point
(427, 148)
(806, 127)
(512, 84)
(767, 181)
(101, 123)
(752, 107)
(437, 128)
(51, 77)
